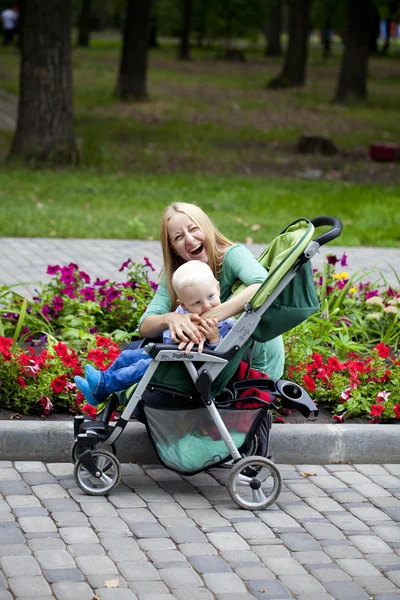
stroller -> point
(197, 411)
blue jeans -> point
(126, 370)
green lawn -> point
(85, 204)
(211, 134)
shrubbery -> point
(345, 355)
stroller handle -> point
(334, 232)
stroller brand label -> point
(175, 355)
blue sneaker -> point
(83, 387)
(92, 377)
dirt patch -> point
(324, 417)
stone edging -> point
(293, 444)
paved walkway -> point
(25, 260)
(333, 533)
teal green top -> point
(238, 263)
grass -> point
(212, 134)
(102, 205)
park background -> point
(124, 106)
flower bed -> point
(345, 355)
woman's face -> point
(186, 239)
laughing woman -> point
(187, 233)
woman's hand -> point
(184, 328)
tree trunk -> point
(374, 30)
(354, 68)
(184, 45)
(45, 126)
(153, 41)
(84, 24)
(273, 28)
(294, 68)
(132, 78)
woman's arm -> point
(233, 306)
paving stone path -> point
(333, 533)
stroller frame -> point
(97, 471)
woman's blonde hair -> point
(216, 243)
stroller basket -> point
(187, 440)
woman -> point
(187, 233)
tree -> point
(273, 28)
(84, 24)
(132, 78)
(183, 52)
(45, 126)
(354, 67)
(294, 68)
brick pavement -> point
(26, 259)
(333, 533)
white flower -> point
(382, 396)
(345, 395)
(375, 316)
(374, 300)
(394, 301)
(391, 310)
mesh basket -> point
(187, 439)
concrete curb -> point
(292, 444)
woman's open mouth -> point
(196, 251)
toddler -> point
(197, 291)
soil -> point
(324, 417)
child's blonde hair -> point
(191, 273)
(215, 242)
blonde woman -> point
(186, 234)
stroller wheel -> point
(110, 476)
(74, 451)
(254, 483)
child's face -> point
(200, 297)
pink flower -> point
(382, 396)
(47, 405)
(67, 276)
(88, 293)
(154, 285)
(332, 259)
(343, 260)
(58, 303)
(148, 263)
(45, 312)
(371, 294)
(84, 276)
(125, 264)
(69, 291)
(53, 269)
(101, 282)
(345, 395)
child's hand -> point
(210, 330)
(189, 345)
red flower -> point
(309, 383)
(89, 410)
(58, 384)
(383, 350)
(21, 382)
(396, 409)
(317, 360)
(377, 410)
(339, 418)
